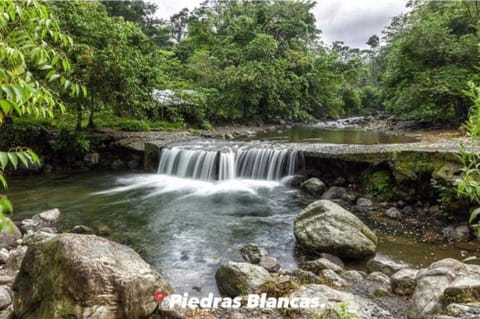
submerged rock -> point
(252, 253)
(235, 279)
(313, 186)
(326, 227)
(85, 276)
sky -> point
(350, 21)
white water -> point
(210, 162)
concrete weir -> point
(408, 162)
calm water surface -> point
(322, 134)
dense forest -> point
(258, 61)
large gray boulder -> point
(327, 227)
(443, 282)
(236, 279)
(85, 276)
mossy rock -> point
(448, 172)
(379, 182)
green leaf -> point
(23, 158)
(474, 215)
(3, 181)
(3, 160)
(13, 159)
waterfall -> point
(222, 162)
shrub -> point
(70, 144)
(134, 126)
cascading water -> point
(225, 162)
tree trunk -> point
(91, 124)
(79, 117)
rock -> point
(85, 276)
(330, 300)
(464, 310)
(463, 290)
(50, 230)
(333, 259)
(385, 265)
(404, 281)
(334, 192)
(49, 217)
(408, 210)
(5, 299)
(252, 253)
(313, 186)
(229, 136)
(82, 229)
(431, 283)
(103, 230)
(46, 219)
(316, 266)
(133, 164)
(117, 164)
(393, 213)
(332, 279)
(15, 259)
(364, 205)
(352, 276)
(6, 280)
(9, 234)
(378, 285)
(36, 237)
(92, 158)
(270, 264)
(4, 256)
(324, 226)
(457, 234)
(305, 277)
(236, 279)
(339, 181)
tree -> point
(430, 53)
(115, 59)
(31, 63)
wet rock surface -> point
(327, 227)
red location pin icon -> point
(159, 296)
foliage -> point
(30, 63)
(70, 144)
(341, 313)
(430, 53)
(134, 126)
(468, 186)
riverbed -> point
(187, 228)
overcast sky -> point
(350, 21)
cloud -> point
(350, 21)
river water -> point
(186, 228)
